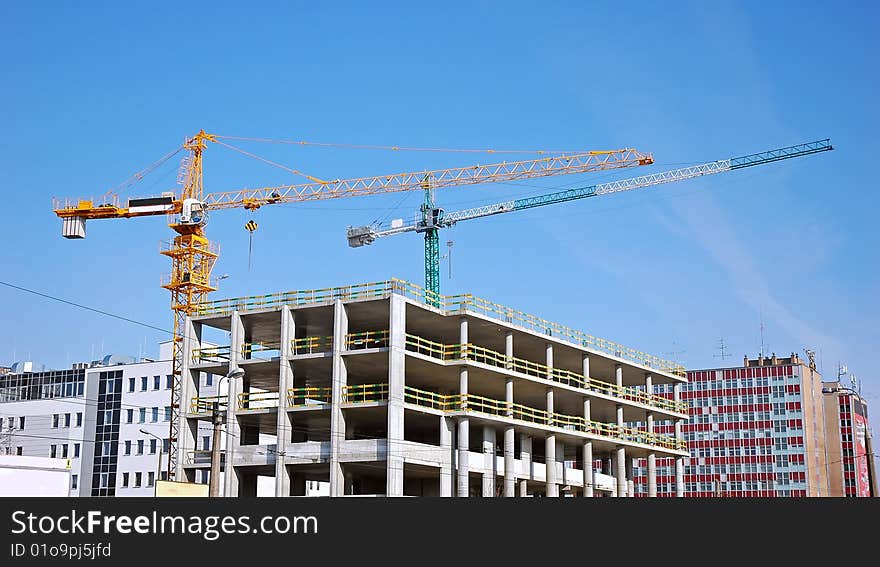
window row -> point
(146, 382)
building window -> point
(128, 447)
(156, 382)
(155, 413)
(143, 383)
(18, 450)
(108, 417)
(53, 451)
(152, 446)
(151, 478)
(129, 415)
(125, 480)
(105, 480)
(21, 423)
(74, 481)
(167, 413)
(137, 480)
(140, 447)
(206, 443)
(131, 384)
(142, 417)
(79, 419)
(76, 450)
(209, 380)
(169, 381)
(64, 451)
(67, 420)
(166, 445)
(54, 420)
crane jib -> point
(781, 154)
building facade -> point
(109, 417)
(382, 389)
(757, 430)
(851, 470)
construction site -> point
(392, 389)
(374, 390)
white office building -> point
(110, 418)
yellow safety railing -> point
(205, 404)
(257, 400)
(364, 393)
(366, 339)
(265, 349)
(307, 396)
(500, 408)
(431, 400)
(311, 345)
(454, 303)
(216, 355)
(476, 353)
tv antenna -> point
(448, 255)
(674, 354)
(762, 327)
(722, 350)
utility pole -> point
(214, 481)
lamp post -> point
(217, 421)
(159, 463)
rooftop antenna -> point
(448, 255)
(674, 354)
(762, 327)
(722, 350)
(811, 356)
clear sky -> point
(93, 92)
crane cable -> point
(136, 177)
(394, 148)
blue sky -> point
(93, 92)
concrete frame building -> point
(93, 414)
(849, 443)
(380, 389)
(757, 430)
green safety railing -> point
(205, 404)
(215, 355)
(261, 350)
(311, 345)
(364, 393)
(257, 400)
(309, 395)
(366, 339)
(447, 304)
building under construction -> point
(382, 389)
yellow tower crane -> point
(193, 255)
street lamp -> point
(217, 421)
(159, 464)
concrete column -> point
(508, 348)
(679, 461)
(620, 473)
(339, 380)
(560, 459)
(509, 463)
(463, 435)
(588, 445)
(586, 366)
(283, 423)
(550, 441)
(489, 461)
(679, 477)
(552, 490)
(549, 350)
(463, 334)
(509, 455)
(525, 459)
(234, 387)
(187, 430)
(446, 458)
(630, 485)
(611, 466)
(396, 384)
